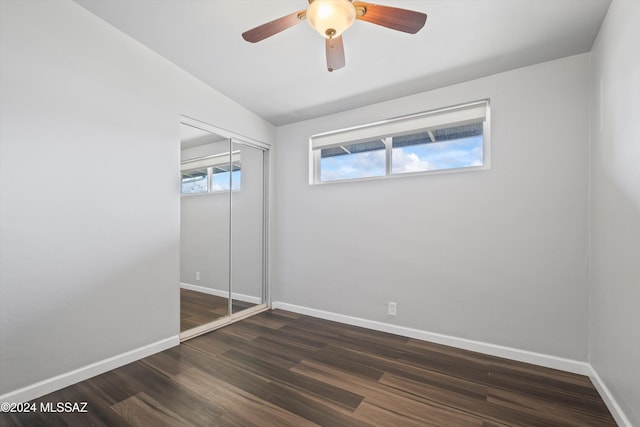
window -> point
(452, 138)
(211, 174)
(195, 181)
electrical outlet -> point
(197, 275)
(392, 308)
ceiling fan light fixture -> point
(331, 18)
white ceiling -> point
(284, 78)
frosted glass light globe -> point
(331, 17)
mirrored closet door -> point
(247, 229)
(222, 243)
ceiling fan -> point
(331, 18)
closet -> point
(223, 215)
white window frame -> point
(455, 115)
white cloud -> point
(403, 162)
(215, 186)
(370, 163)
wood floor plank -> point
(271, 322)
(99, 407)
(245, 409)
(552, 391)
(285, 369)
(169, 394)
(386, 401)
(324, 413)
(268, 353)
(477, 406)
(241, 331)
(279, 374)
(143, 411)
(340, 359)
(556, 414)
(291, 399)
(513, 373)
(165, 362)
(383, 417)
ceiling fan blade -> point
(263, 31)
(335, 53)
(408, 21)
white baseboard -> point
(221, 293)
(58, 382)
(526, 356)
(608, 399)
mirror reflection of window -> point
(194, 182)
(210, 168)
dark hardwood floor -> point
(283, 369)
(197, 308)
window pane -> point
(194, 182)
(361, 160)
(220, 180)
(424, 155)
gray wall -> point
(498, 256)
(89, 208)
(615, 206)
(204, 240)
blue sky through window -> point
(350, 166)
(452, 154)
(220, 181)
